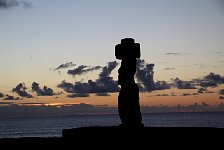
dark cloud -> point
(144, 75)
(202, 90)
(42, 92)
(64, 66)
(174, 54)
(161, 85)
(5, 4)
(20, 89)
(104, 84)
(221, 92)
(8, 3)
(183, 84)
(211, 80)
(68, 87)
(93, 68)
(102, 94)
(107, 70)
(162, 95)
(215, 77)
(90, 87)
(77, 71)
(9, 97)
(208, 84)
(169, 69)
(18, 98)
(186, 94)
(78, 95)
(195, 94)
(82, 70)
(1, 95)
(6, 103)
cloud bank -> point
(104, 83)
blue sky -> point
(53, 32)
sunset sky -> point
(40, 40)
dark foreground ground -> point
(117, 137)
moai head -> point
(128, 49)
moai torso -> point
(128, 100)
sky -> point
(40, 41)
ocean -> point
(53, 126)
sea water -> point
(53, 126)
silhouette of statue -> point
(128, 100)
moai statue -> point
(128, 100)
